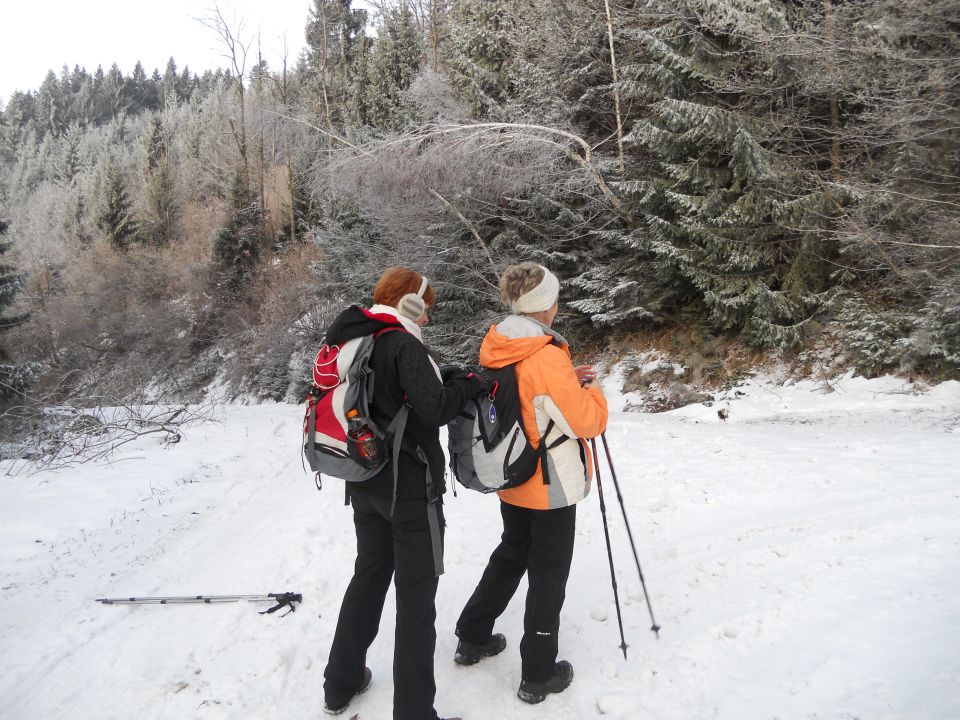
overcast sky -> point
(41, 35)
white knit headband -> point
(540, 298)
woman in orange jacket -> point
(539, 516)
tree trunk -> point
(616, 87)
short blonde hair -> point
(518, 280)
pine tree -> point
(335, 39)
(115, 219)
(359, 107)
(116, 94)
(50, 109)
(896, 81)
(479, 53)
(160, 186)
(68, 164)
(171, 85)
(18, 122)
(723, 199)
(394, 64)
(236, 245)
(14, 378)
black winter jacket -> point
(403, 372)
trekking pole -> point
(286, 599)
(616, 485)
(606, 534)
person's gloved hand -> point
(476, 383)
(451, 371)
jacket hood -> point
(356, 322)
(511, 341)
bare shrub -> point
(48, 433)
(119, 320)
(278, 326)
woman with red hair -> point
(398, 523)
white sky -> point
(41, 35)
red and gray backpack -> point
(343, 382)
(339, 403)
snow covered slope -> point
(802, 556)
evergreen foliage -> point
(115, 218)
(77, 98)
(15, 378)
(336, 40)
(478, 54)
(160, 225)
(236, 245)
(394, 63)
(730, 219)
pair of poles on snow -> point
(606, 532)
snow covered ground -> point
(802, 557)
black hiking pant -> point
(397, 548)
(540, 544)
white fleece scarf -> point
(409, 325)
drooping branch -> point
(512, 131)
(469, 226)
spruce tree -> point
(335, 38)
(479, 52)
(115, 218)
(14, 378)
(68, 164)
(359, 112)
(724, 197)
(160, 186)
(236, 245)
(394, 64)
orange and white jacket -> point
(549, 390)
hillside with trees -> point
(778, 178)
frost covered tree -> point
(236, 245)
(717, 189)
(115, 217)
(896, 78)
(479, 52)
(163, 208)
(394, 63)
(14, 377)
(336, 38)
(68, 162)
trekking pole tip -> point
(656, 630)
(624, 648)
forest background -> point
(725, 180)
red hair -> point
(397, 282)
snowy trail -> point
(802, 559)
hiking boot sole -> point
(480, 652)
(367, 679)
(533, 696)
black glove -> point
(451, 371)
(476, 383)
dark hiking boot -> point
(535, 692)
(470, 654)
(337, 708)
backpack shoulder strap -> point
(542, 450)
(383, 331)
